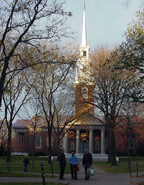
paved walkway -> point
(101, 178)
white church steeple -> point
(84, 70)
(84, 34)
(84, 80)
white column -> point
(66, 142)
(102, 141)
(91, 141)
(77, 141)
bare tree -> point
(64, 118)
(47, 81)
(23, 25)
(132, 50)
(111, 89)
(32, 107)
(130, 115)
(13, 102)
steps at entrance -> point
(96, 157)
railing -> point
(136, 167)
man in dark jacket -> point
(87, 162)
(62, 164)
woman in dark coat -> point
(62, 164)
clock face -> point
(85, 92)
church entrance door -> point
(84, 146)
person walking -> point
(87, 162)
(73, 160)
(62, 164)
(26, 162)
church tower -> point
(84, 81)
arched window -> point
(47, 141)
(97, 145)
(72, 145)
(85, 92)
(38, 142)
(84, 53)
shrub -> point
(39, 154)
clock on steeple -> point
(84, 92)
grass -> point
(15, 167)
(122, 165)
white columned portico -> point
(102, 141)
(66, 142)
(91, 141)
(78, 141)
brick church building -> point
(87, 132)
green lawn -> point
(15, 167)
(122, 165)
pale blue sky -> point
(106, 20)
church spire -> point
(84, 69)
(84, 36)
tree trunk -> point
(2, 79)
(33, 152)
(128, 153)
(113, 148)
(109, 147)
(49, 150)
(9, 144)
(58, 148)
